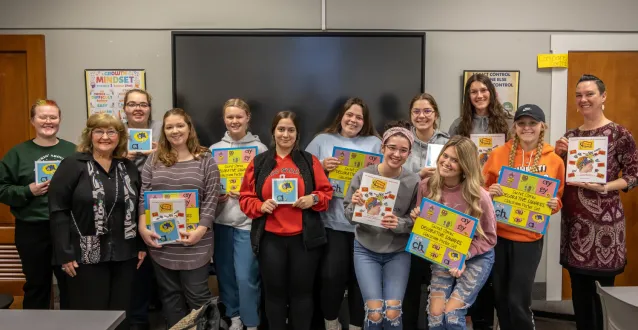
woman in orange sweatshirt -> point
(519, 251)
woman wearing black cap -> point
(518, 251)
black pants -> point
(514, 269)
(181, 291)
(420, 273)
(33, 241)
(587, 308)
(144, 290)
(337, 274)
(103, 286)
(288, 274)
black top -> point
(71, 190)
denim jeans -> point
(382, 277)
(466, 287)
(238, 274)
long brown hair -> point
(495, 111)
(435, 107)
(103, 120)
(472, 181)
(165, 153)
(368, 127)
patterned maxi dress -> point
(593, 224)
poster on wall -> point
(105, 90)
(506, 85)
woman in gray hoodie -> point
(482, 112)
(236, 265)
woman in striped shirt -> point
(181, 163)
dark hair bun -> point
(397, 123)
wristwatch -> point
(315, 199)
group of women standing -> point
(311, 252)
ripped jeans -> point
(464, 290)
(382, 278)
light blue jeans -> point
(464, 289)
(382, 277)
(238, 274)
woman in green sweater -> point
(29, 203)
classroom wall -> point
(460, 35)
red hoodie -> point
(285, 219)
(550, 164)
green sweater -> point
(17, 171)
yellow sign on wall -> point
(552, 61)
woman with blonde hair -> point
(180, 162)
(235, 264)
(519, 251)
(458, 184)
(92, 201)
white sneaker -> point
(332, 324)
(236, 324)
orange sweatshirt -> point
(550, 164)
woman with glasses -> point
(424, 114)
(137, 106)
(28, 202)
(381, 263)
(92, 201)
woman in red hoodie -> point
(286, 233)
(519, 251)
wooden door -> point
(619, 72)
(22, 81)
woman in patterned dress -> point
(593, 221)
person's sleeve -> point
(248, 200)
(489, 175)
(405, 221)
(323, 188)
(61, 189)
(483, 243)
(11, 193)
(211, 193)
(134, 175)
(348, 206)
(560, 175)
(454, 127)
(314, 147)
(629, 161)
(146, 178)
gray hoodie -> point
(229, 213)
(416, 160)
(479, 125)
(382, 240)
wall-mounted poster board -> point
(105, 89)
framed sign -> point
(105, 90)
(506, 84)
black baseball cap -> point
(531, 110)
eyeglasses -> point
(426, 112)
(135, 105)
(393, 149)
(109, 133)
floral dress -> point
(593, 224)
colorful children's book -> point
(441, 234)
(284, 190)
(432, 154)
(486, 143)
(379, 195)
(140, 139)
(191, 196)
(232, 164)
(587, 159)
(44, 170)
(168, 217)
(351, 162)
